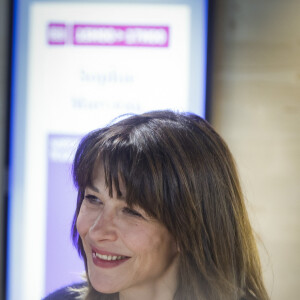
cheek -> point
(84, 221)
(150, 242)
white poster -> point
(86, 64)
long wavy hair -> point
(181, 172)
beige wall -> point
(256, 94)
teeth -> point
(108, 257)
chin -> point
(104, 286)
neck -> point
(155, 293)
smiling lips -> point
(107, 260)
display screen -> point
(76, 66)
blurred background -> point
(252, 94)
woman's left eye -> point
(132, 212)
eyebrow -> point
(92, 187)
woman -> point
(160, 213)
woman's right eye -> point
(92, 199)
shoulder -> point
(66, 293)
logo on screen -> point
(108, 35)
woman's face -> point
(126, 250)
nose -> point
(104, 227)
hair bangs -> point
(85, 159)
(128, 168)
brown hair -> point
(180, 171)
